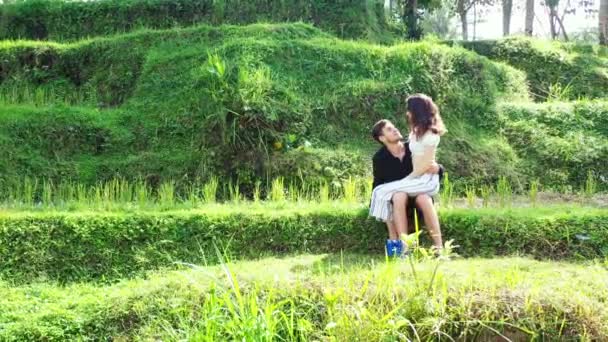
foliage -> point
(440, 22)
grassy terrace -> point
(323, 297)
(202, 173)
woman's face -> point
(408, 116)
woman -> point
(426, 127)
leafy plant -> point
(590, 184)
(504, 192)
(210, 190)
(485, 191)
(277, 190)
(534, 192)
(447, 191)
(470, 194)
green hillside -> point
(200, 170)
(260, 101)
(220, 100)
(61, 20)
(554, 69)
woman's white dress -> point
(381, 206)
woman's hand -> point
(434, 168)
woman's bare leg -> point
(431, 220)
(400, 213)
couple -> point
(407, 174)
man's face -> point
(390, 134)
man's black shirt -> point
(388, 168)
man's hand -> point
(434, 168)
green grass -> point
(123, 194)
(564, 142)
(287, 208)
(303, 207)
(342, 297)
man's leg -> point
(411, 220)
(392, 230)
(431, 220)
(392, 243)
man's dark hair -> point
(377, 129)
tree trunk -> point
(474, 21)
(529, 17)
(465, 33)
(462, 12)
(603, 22)
(563, 29)
(507, 8)
(411, 18)
(388, 5)
(552, 22)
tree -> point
(479, 15)
(391, 6)
(603, 22)
(411, 12)
(463, 7)
(507, 9)
(440, 21)
(556, 21)
(411, 17)
(529, 17)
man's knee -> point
(400, 198)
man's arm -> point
(379, 173)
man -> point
(392, 162)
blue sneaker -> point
(390, 248)
(398, 246)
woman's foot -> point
(440, 253)
(412, 245)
